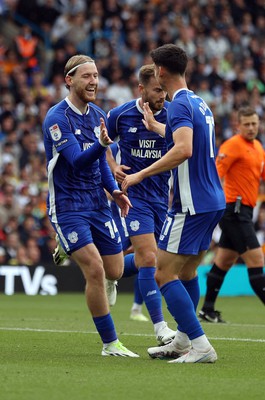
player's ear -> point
(140, 88)
(161, 71)
(68, 80)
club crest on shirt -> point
(97, 131)
(55, 132)
(135, 225)
(72, 237)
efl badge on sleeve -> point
(55, 132)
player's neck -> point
(141, 102)
(78, 103)
(176, 85)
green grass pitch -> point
(49, 350)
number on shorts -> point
(112, 228)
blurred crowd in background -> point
(225, 40)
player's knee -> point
(114, 266)
(225, 261)
(114, 270)
(94, 274)
(146, 258)
(116, 274)
(253, 258)
(224, 265)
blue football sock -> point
(138, 298)
(105, 328)
(193, 289)
(129, 266)
(181, 307)
(151, 293)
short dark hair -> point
(172, 57)
(146, 73)
(245, 111)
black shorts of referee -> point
(238, 232)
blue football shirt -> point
(139, 148)
(197, 187)
(76, 163)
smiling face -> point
(83, 85)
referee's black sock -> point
(257, 282)
(214, 282)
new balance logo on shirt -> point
(132, 129)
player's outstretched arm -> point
(119, 173)
(116, 169)
(131, 180)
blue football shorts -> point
(145, 217)
(77, 229)
(183, 233)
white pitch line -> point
(227, 324)
(123, 334)
(238, 339)
(248, 325)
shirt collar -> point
(179, 90)
(74, 108)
